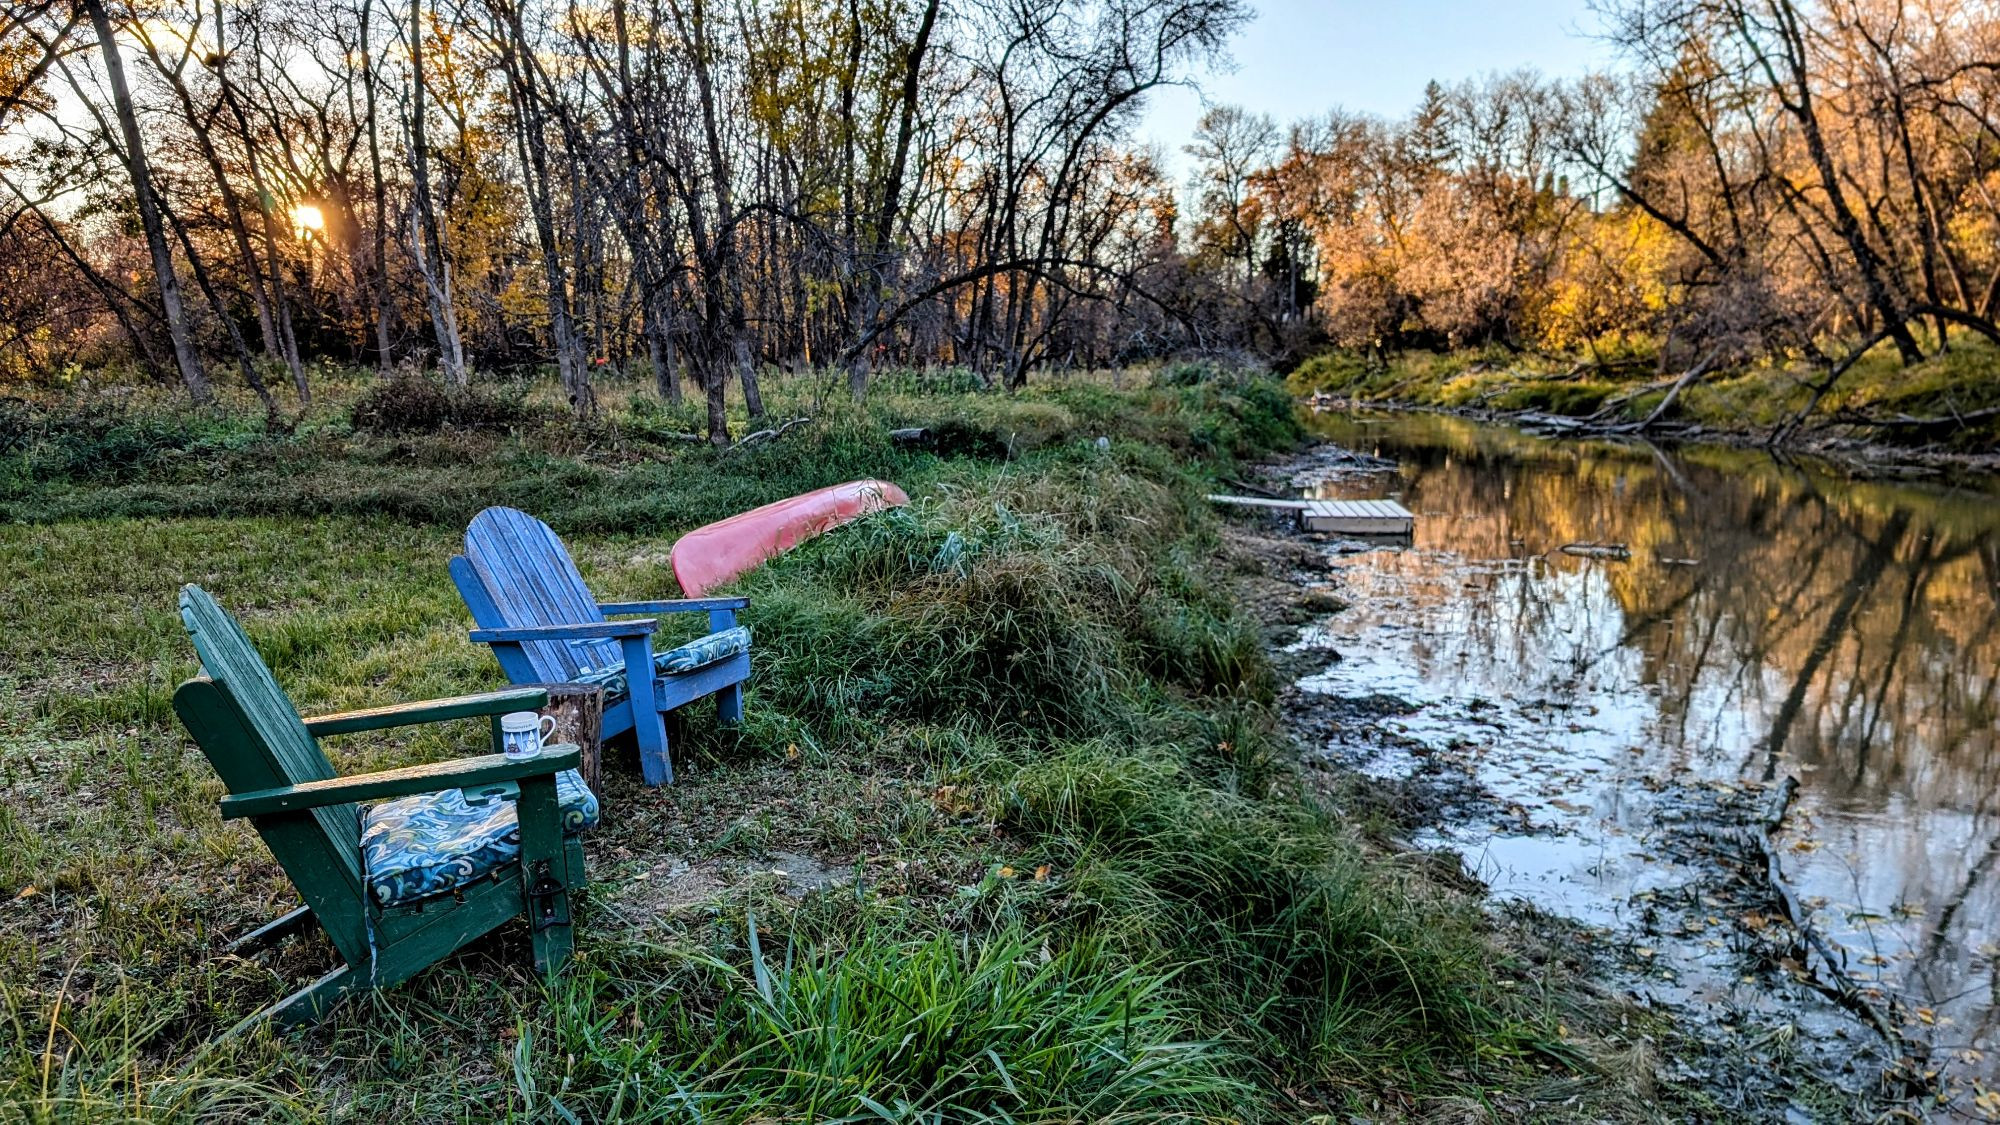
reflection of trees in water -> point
(1849, 629)
(1945, 940)
(1854, 626)
(1859, 584)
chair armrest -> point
(430, 711)
(678, 605)
(463, 773)
(581, 631)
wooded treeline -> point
(695, 186)
(1766, 180)
(701, 189)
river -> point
(1772, 620)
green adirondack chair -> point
(451, 850)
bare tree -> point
(147, 205)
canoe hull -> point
(711, 556)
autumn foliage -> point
(700, 191)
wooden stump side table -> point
(579, 715)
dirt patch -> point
(656, 891)
(650, 895)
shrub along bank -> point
(1009, 832)
(1949, 403)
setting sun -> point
(307, 219)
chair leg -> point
(545, 876)
(270, 933)
(647, 728)
(552, 946)
(650, 731)
(307, 1004)
(729, 704)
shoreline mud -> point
(1872, 459)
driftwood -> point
(772, 434)
(1701, 368)
(1784, 429)
(1835, 985)
(1609, 407)
(1616, 552)
(1673, 387)
(1952, 421)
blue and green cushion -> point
(433, 843)
(697, 653)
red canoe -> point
(709, 556)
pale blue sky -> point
(1302, 57)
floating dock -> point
(1342, 517)
(1358, 517)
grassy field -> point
(1009, 832)
(1939, 393)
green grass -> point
(1075, 873)
(883, 1028)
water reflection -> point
(1773, 619)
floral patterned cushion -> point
(697, 653)
(416, 847)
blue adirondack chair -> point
(532, 606)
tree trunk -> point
(746, 372)
(533, 148)
(660, 349)
(232, 210)
(1882, 291)
(385, 306)
(715, 381)
(149, 215)
(286, 344)
(245, 361)
(427, 244)
(723, 259)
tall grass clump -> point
(1012, 1026)
(410, 402)
(1324, 958)
(1065, 610)
(1053, 598)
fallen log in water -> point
(1617, 552)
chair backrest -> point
(253, 736)
(514, 572)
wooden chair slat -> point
(533, 582)
(277, 749)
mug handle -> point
(546, 728)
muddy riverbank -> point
(1852, 451)
(1605, 743)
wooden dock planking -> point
(1358, 517)
(1343, 517)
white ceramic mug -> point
(522, 732)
